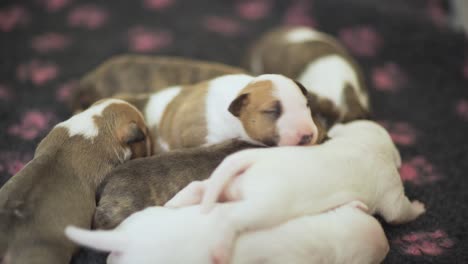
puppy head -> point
(274, 110)
(123, 126)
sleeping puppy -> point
(269, 109)
(316, 60)
(163, 235)
(267, 187)
(142, 74)
(57, 187)
(151, 181)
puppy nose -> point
(305, 139)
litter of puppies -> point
(273, 164)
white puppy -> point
(163, 235)
(271, 186)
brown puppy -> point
(57, 187)
(316, 60)
(142, 74)
(151, 181)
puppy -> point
(163, 235)
(57, 187)
(142, 74)
(151, 181)
(316, 60)
(270, 186)
(269, 109)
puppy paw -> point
(418, 208)
(220, 255)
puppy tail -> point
(232, 166)
(99, 240)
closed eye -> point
(274, 112)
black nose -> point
(306, 139)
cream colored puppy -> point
(266, 187)
(164, 235)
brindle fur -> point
(130, 74)
(151, 181)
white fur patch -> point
(328, 76)
(157, 104)
(221, 124)
(83, 123)
(304, 34)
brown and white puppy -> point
(142, 74)
(57, 187)
(316, 60)
(269, 109)
(151, 181)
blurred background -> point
(413, 54)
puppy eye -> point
(274, 112)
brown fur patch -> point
(354, 108)
(259, 125)
(183, 123)
(154, 180)
(142, 74)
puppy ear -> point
(236, 106)
(323, 109)
(303, 89)
(132, 134)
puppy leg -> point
(190, 195)
(396, 208)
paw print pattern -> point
(253, 10)
(141, 39)
(38, 72)
(362, 41)
(32, 124)
(13, 162)
(461, 108)
(50, 42)
(12, 17)
(88, 17)
(424, 243)
(222, 25)
(419, 171)
(298, 14)
(388, 78)
(402, 133)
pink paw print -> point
(88, 16)
(418, 171)
(141, 39)
(5, 92)
(222, 25)
(32, 124)
(253, 10)
(54, 5)
(12, 17)
(436, 12)
(64, 91)
(461, 109)
(158, 4)
(13, 162)
(50, 42)
(362, 40)
(402, 133)
(299, 15)
(38, 72)
(388, 78)
(424, 243)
